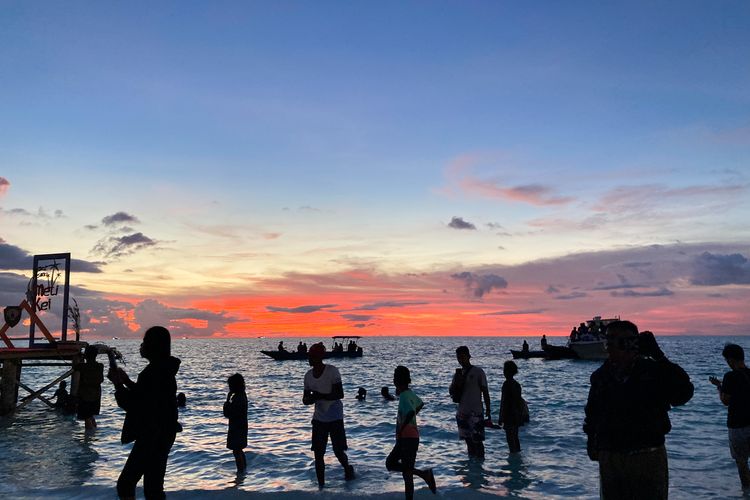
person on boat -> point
(734, 392)
(323, 388)
(573, 335)
(511, 407)
(91, 376)
(627, 413)
(404, 454)
(386, 394)
(281, 347)
(468, 388)
(543, 342)
(150, 405)
(525, 347)
(361, 394)
(300, 348)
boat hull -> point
(595, 349)
(528, 354)
(293, 355)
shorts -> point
(403, 456)
(739, 443)
(320, 432)
(637, 474)
(87, 409)
(470, 426)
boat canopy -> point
(347, 337)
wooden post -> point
(10, 376)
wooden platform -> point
(59, 350)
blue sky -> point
(278, 138)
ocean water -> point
(44, 454)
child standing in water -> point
(235, 409)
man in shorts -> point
(734, 392)
(323, 388)
(468, 387)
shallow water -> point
(46, 454)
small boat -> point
(330, 353)
(528, 354)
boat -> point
(591, 343)
(329, 354)
(528, 354)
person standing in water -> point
(150, 405)
(235, 409)
(323, 388)
(468, 388)
(404, 455)
(89, 395)
(511, 404)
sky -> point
(245, 169)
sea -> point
(45, 454)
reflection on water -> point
(43, 451)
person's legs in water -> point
(339, 445)
(402, 459)
(240, 460)
(739, 446)
(319, 444)
(156, 468)
(511, 436)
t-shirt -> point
(737, 385)
(325, 410)
(408, 402)
(471, 397)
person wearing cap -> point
(324, 389)
(468, 388)
(734, 392)
(626, 414)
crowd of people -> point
(626, 413)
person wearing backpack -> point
(734, 392)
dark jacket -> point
(629, 413)
(235, 409)
(510, 404)
(150, 404)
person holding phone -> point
(734, 392)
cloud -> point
(716, 269)
(459, 223)
(119, 218)
(91, 227)
(300, 309)
(4, 186)
(572, 296)
(357, 317)
(661, 292)
(480, 284)
(513, 313)
(552, 289)
(389, 303)
(636, 199)
(113, 246)
(16, 258)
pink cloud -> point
(463, 180)
(4, 185)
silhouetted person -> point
(281, 346)
(235, 409)
(150, 405)
(543, 342)
(61, 397)
(181, 400)
(89, 388)
(734, 391)
(404, 455)
(626, 414)
(324, 389)
(511, 407)
(361, 394)
(468, 388)
(386, 394)
(525, 346)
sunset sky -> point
(380, 168)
